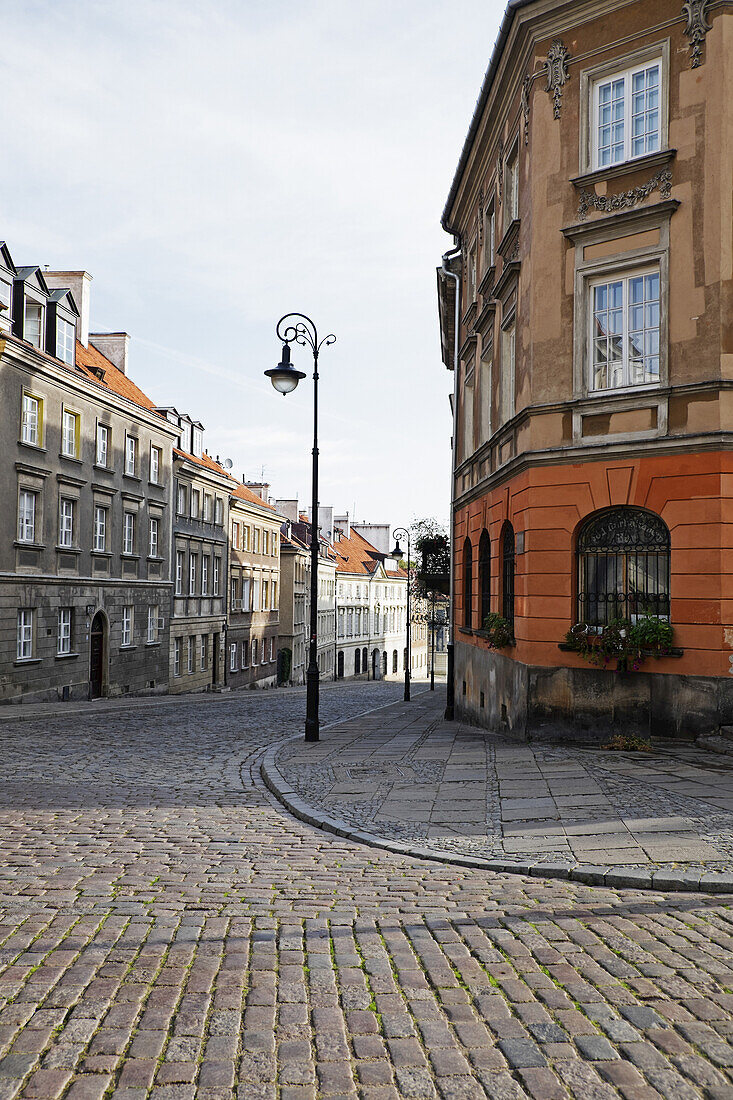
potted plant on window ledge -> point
(497, 631)
(621, 640)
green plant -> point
(619, 640)
(498, 630)
(622, 742)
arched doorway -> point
(340, 665)
(375, 664)
(357, 662)
(384, 663)
(97, 650)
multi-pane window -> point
(245, 657)
(255, 540)
(191, 650)
(180, 558)
(31, 426)
(33, 325)
(155, 465)
(154, 526)
(217, 572)
(490, 235)
(265, 595)
(274, 544)
(508, 353)
(208, 508)
(204, 651)
(273, 606)
(65, 334)
(128, 533)
(192, 570)
(245, 538)
(219, 511)
(153, 622)
(233, 657)
(26, 516)
(66, 522)
(130, 455)
(198, 442)
(246, 586)
(627, 115)
(623, 567)
(272, 649)
(127, 625)
(254, 651)
(177, 657)
(100, 528)
(102, 444)
(70, 434)
(182, 505)
(6, 295)
(63, 637)
(265, 542)
(205, 575)
(236, 535)
(625, 318)
(24, 646)
(511, 187)
(256, 594)
(195, 501)
(234, 590)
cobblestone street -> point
(168, 929)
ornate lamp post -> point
(296, 327)
(402, 532)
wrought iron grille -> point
(623, 567)
(508, 574)
(467, 583)
(484, 577)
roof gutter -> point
(486, 87)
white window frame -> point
(511, 185)
(190, 653)
(128, 533)
(27, 508)
(204, 653)
(176, 656)
(208, 509)
(65, 337)
(217, 574)
(182, 498)
(153, 616)
(31, 419)
(24, 634)
(69, 419)
(245, 654)
(192, 570)
(153, 531)
(624, 277)
(507, 380)
(41, 313)
(233, 657)
(66, 521)
(155, 457)
(102, 445)
(130, 455)
(197, 442)
(195, 503)
(63, 632)
(627, 76)
(100, 528)
(205, 575)
(128, 620)
(180, 566)
(219, 512)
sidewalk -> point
(403, 778)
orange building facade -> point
(587, 314)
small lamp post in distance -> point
(299, 329)
(404, 533)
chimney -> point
(262, 488)
(114, 346)
(289, 509)
(343, 525)
(78, 282)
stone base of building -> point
(529, 702)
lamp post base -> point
(311, 705)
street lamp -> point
(296, 327)
(402, 532)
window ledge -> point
(509, 272)
(100, 553)
(70, 458)
(68, 549)
(151, 645)
(29, 545)
(486, 283)
(614, 171)
(130, 557)
(465, 630)
(506, 242)
(126, 647)
(105, 469)
(155, 557)
(487, 634)
(132, 477)
(37, 447)
(673, 651)
(65, 656)
(27, 661)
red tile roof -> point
(90, 359)
(243, 492)
(356, 555)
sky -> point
(215, 165)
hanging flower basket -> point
(497, 631)
(621, 641)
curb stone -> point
(639, 878)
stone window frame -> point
(39, 441)
(508, 326)
(590, 77)
(617, 227)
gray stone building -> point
(294, 603)
(87, 462)
(199, 561)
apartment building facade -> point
(254, 588)
(296, 592)
(585, 313)
(84, 561)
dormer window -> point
(198, 442)
(33, 322)
(6, 298)
(65, 335)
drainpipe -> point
(450, 684)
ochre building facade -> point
(586, 314)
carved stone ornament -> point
(697, 27)
(556, 68)
(500, 171)
(526, 87)
(608, 204)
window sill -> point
(485, 634)
(27, 661)
(104, 469)
(100, 553)
(151, 645)
(673, 651)
(614, 171)
(68, 549)
(506, 242)
(66, 656)
(130, 557)
(155, 557)
(37, 447)
(29, 545)
(127, 647)
(132, 477)
(486, 283)
(70, 458)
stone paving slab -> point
(169, 931)
(490, 801)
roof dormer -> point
(8, 274)
(30, 302)
(61, 325)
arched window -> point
(384, 663)
(357, 662)
(467, 583)
(364, 660)
(507, 573)
(395, 660)
(484, 577)
(340, 665)
(623, 566)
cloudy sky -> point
(215, 165)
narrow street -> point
(168, 929)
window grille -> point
(508, 569)
(623, 567)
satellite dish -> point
(228, 463)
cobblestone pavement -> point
(168, 930)
(456, 789)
